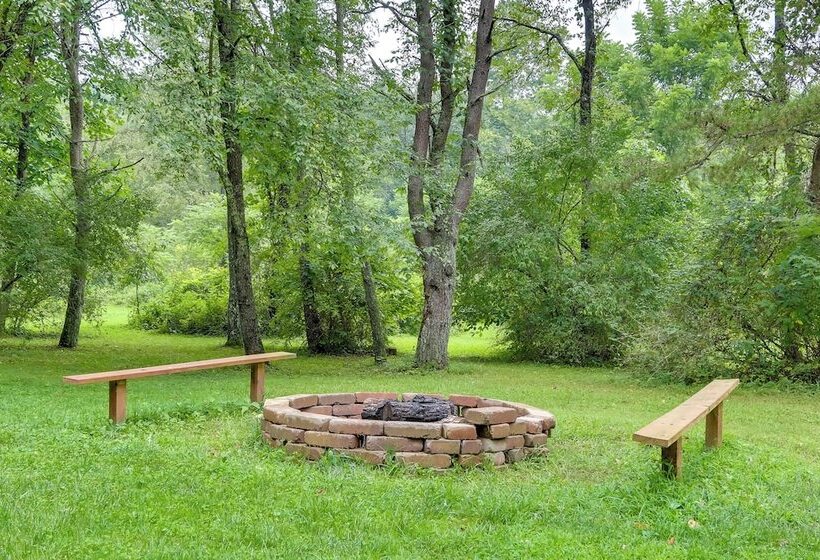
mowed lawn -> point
(189, 477)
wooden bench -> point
(117, 379)
(667, 431)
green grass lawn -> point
(189, 477)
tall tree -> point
(69, 27)
(435, 223)
(227, 17)
(587, 69)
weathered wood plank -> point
(714, 427)
(177, 368)
(672, 459)
(258, 382)
(669, 427)
(116, 401)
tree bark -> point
(70, 28)
(814, 178)
(374, 313)
(437, 242)
(314, 332)
(234, 332)
(226, 14)
(585, 111)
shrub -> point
(192, 302)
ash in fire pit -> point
(421, 408)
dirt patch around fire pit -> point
(476, 431)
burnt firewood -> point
(421, 408)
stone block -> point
(425, 430)
(337, 398)
(471, 446)
(357, 427)
(276, 414)
(518, 428)
(535, 440)
(302, 401)
(307, 421)
(534, 424)
(326, 439)
(491, 415)
(498, 445)
(470, 460)
(285, 433)
(459, 431)
(386, 443)
(434, 461)
(515, 455)
(464, 400)
(347, 409)
(495, 431)
(326, 410)
(451, 446)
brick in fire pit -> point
(337, 398)
(326, 439)
(413, 429)
(386, 443)
(459, 431)
(491, 415)
(435, 461)
(358, 427)
(495, 431)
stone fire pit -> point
(468, 430)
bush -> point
(193, 302)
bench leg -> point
(714, 427)
(258, 382)
(116, 401)
(671, 459)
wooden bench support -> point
(258, 382)
(714, 427)
(116, 401)
(672, 459)
(667, 431)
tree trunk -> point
(814, 178)
(234, 334)
(226, 14)
(314, 333)
(374, 313)
(439, 291)
(585, 112)
(70, 28)
(437, 243)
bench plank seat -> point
(177, 368)
(117, 379)
(667, 430)
(669, 427)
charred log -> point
(421, 409)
